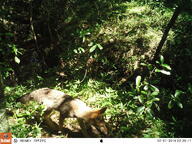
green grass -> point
(121, 115)
(134, 30)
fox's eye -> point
(99, 118)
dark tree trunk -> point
(165, 34)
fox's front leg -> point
(49, 122)
(83, 127)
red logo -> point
(5, 138)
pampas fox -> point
(68, 107)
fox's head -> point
(95, 118)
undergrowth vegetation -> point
(102, 53)
(130, 111)
(127, 115)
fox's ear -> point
(102, 110)
(95, 113)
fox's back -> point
(51, 98)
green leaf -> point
(156, 99)
(146, 87)
(157, 70)
(140, 99)
(155, 93)
(170, 104)
(166, 66)
(15, 49)
(154, 88)
(17, 60)
(83, 39)
(109, 90)
(7, 88)
(39, 77)
(149, 111)
(92, 49)
(90, 44)
(161, 59)
(99, 46)
(156, 105)
(138, 82)
(157, 62)
(174, 119)
(165, 72)
(82, 50)
(143, 64)
(141, 109)
(178, 93)
(180, 105)
(144, 92)
(75, 51)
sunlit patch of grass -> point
(134, 32)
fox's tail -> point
(23, 99)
